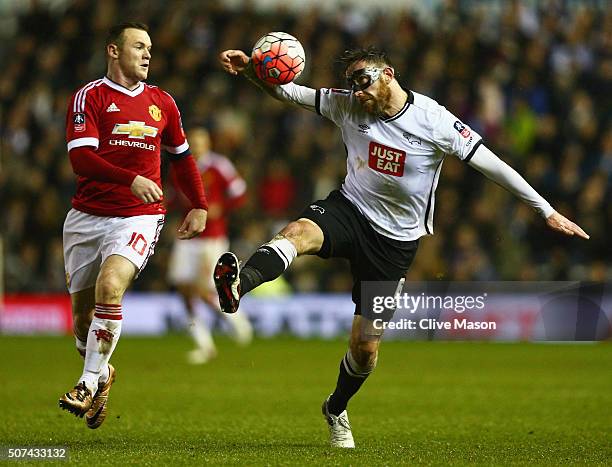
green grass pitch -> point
(427, 403)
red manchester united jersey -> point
(127, 128)
(225, 190)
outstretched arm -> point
(486, 162)
(237, 62)
(561, 223)
(234, 61)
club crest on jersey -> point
(155, 112)
(411, 138)
(135, 129)
(461, 128)
(386, 160)
(79, 121)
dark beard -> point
(378, 105)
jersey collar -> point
(402, 111)
(118, 87)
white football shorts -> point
(194, 260)
(89, 240)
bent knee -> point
(296, 230)
(365, 354)
(306, 236)
(110, 287)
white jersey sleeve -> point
(295, 94)
(328, 102)
(494, 168)
(334, 104)
(450, 134)
(291, 93)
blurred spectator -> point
(277, 189)
(533, 78)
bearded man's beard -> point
(378, 105)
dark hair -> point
(115, 34)
(370, 54)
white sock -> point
(242, 330)
(200, 334)
(81, 346)
(284, 248)
(103, 336)
(104, 375)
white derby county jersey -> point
(394, 163)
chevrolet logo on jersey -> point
(135, 130)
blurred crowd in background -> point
(534, 79)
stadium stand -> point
(534, 81)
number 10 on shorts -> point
(138, 243)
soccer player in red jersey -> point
(115, 129)
(192, 262)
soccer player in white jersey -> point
(116, 127)
(396, 140)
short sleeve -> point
(173, 136)
(333, 104)
(82, 119)
(235, 186)
(452, 136)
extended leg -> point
(273, 258)
(240, 326)
(267, 263)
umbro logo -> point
(113, 108)
(363, 128)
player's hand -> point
(146, 190)
(194, 224)
(558, 222)
(233, 61)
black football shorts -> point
(348, 234)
